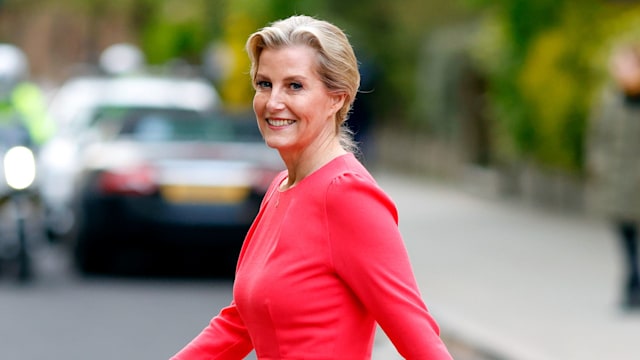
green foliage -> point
(389, 36)
(175, 29)
(541, 76)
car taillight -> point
(129, 181)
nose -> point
(276, 100)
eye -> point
(295, 86)
(263, 84)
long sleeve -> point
(370, 256)
(225, 338)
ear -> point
(338, 99)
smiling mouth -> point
(280, 122)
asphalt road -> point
(64, 316)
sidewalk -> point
(519, 282)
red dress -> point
(322, 263)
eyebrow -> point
(287, 78)
(296, 78)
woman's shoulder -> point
(345, 170)
(353, 193)
(343, 177)
(350, 176)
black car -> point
(157, 181)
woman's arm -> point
(370, 256)
(225, 338)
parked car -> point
(157, 180)
(59, 160)
(150, 165)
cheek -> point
(257, 103)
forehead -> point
(288, 59)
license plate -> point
(204, 194)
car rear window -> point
(160, 124)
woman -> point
(323, 260)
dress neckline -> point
(310, 176)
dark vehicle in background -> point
(147, 169)
(72, 109)
(157, 181)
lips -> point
(279, 122)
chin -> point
(275, 144)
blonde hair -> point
(337, 65)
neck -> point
(299, 167)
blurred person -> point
(24, 126)
(612, 162)
(23, 112)
(323, 261)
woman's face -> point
(294, 109)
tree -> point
(541, 76)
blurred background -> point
(500, 84)
(493, 97)
(496, 84)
